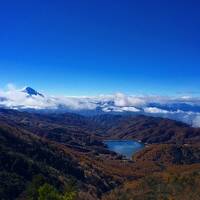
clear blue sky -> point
(89, 47)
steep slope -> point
(69, 129)
(25, 155)
(154, 130)
(176, 182)
(65, 147)
(167, 154)
(162, 171)
(58, 147)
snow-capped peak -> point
(31, 92)
(182, 109)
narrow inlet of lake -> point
(124, 147)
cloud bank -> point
(184, 108)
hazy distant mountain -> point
(186, 109)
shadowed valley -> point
(55, 152)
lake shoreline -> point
(123, 147)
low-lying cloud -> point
(185, 108)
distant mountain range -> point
(185, 109)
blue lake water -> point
(124, 147)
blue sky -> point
(89, 47)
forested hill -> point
(62, 156)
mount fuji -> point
(186, 109)
(31, 92)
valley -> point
(99, 100)
(65, 148)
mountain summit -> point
(31, 92)
(178, 108)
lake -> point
(124, 147)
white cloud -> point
(196, 121)
(124, 100)
(120, 109)
(155, 110)
(188, 109)
(131, 109)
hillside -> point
(176, 183)
(25, 155)
(168, 154)
(46, 145)
(62, 149)
(154, 130)
(164, 171)
(68, 129)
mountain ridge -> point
(28, 99)
(51, 142)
